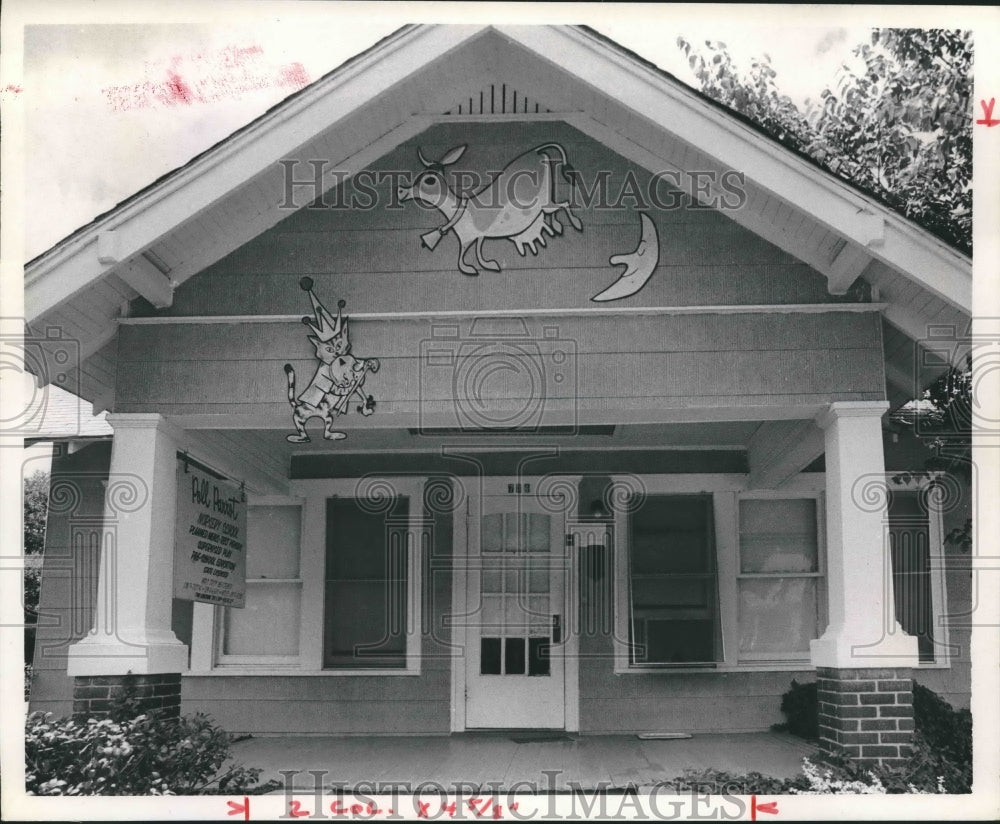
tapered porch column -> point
(863, 661)
(131, 632)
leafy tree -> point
(900, 129)
(36, 508)
(944, 424)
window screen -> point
(366, 585)
(673, 582)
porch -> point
(511, 760)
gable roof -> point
(193, 216)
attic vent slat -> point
(498, 98)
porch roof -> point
(157, 239)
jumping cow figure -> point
(519, 205)
(339, 375)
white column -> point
(863, 631)
(132, 620)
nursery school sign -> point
(209, 557)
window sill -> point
(804, 666)
(784, 666)
(226, 670)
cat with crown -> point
(339, 375)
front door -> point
(515, 610)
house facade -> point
(540, 392)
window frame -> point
(726, 490)
(820, 575)
(937, 563)
(316, 493)
(311, 495)
(223, 659)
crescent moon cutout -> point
(639, 265)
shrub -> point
(144, 755)
(801, 707)
(942, 746)
(946, 737)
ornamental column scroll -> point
(131, 631)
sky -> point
(102, 120)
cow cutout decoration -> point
(339, 375)
(519, 205)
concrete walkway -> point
(496, 761)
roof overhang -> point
(157, 239)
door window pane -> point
(514, 656)
(539, 650)
(489, 656)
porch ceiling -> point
(269, 451)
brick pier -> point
(866, 714)
(93, 695)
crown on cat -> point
(326, 327)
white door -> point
(515, 610)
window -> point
(718, 576)
(779, 578)
(674, 600)
(913, 580)
(365, 622)
(266, 630)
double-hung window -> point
(333, 584)
(779, 579)
(714, 575)
(266, 630)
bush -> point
(942, 746)
(801, 707)
(947, 736)
(144, 755)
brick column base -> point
(866, 714)
(94, 695)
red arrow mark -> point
(235, 808)
(771, 807)
(987, 119)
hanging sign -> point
(210, 536)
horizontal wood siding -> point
(598, 365)
(348, 704)
(362, 245)
(676, 702)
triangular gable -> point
(425, 74)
